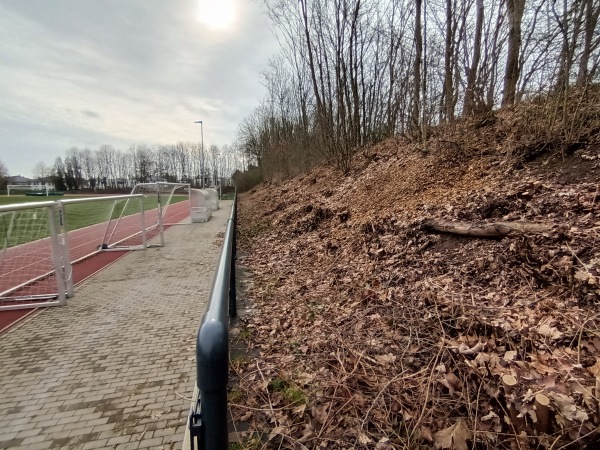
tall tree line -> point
(352, 72)
(111, 168)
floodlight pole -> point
(201, 154)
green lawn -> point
(32, 224)
(6, 200)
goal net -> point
(27, 189)
(90, 225)
(41, 241)
(31, 257)
(167, 204)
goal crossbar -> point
(27, 187)
(108, 242)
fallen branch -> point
(487, 230)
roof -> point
(19, 179)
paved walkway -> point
(115, 367)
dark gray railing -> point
(208, 417)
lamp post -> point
(202, 153)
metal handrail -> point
(71, 201)
(208, 418)
(28, 205)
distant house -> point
(19, 180)
(24, 181)
(49, 184)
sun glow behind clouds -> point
(217, 14)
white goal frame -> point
(46, 278)
(28, 187)
(160, 189)
(63, 219)
(59, 263)
(50, 281)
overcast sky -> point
(83, 73)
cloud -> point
(89, 113)
(86, 74)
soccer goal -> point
(167, 204)
(32, 259)
(92, 224)
(27, 189)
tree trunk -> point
(515, 9)
(417, 66)
(590, 22)
(488, 230)
(469, 104)
(311, 63)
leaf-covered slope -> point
(374, 332)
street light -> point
(201, 154)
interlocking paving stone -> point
(115, 367)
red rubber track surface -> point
(82, 242)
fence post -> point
(232, 288)
(212, 364)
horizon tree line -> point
(110, 168)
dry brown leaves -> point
(373, 333)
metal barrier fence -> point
(208, 416)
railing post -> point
(232, 287)
(212, 365)
(235, 227)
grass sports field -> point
(32, 224)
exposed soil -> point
(376, 332)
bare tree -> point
(88, 165)
(74, 170)
(58, 174)
(570, 22)
(41, 171)
(591, 39)
(143, 162)
(105, 159)
(417, 65)
(469, 102)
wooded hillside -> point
(354, 72)
(376, 325)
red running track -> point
(28, 261)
